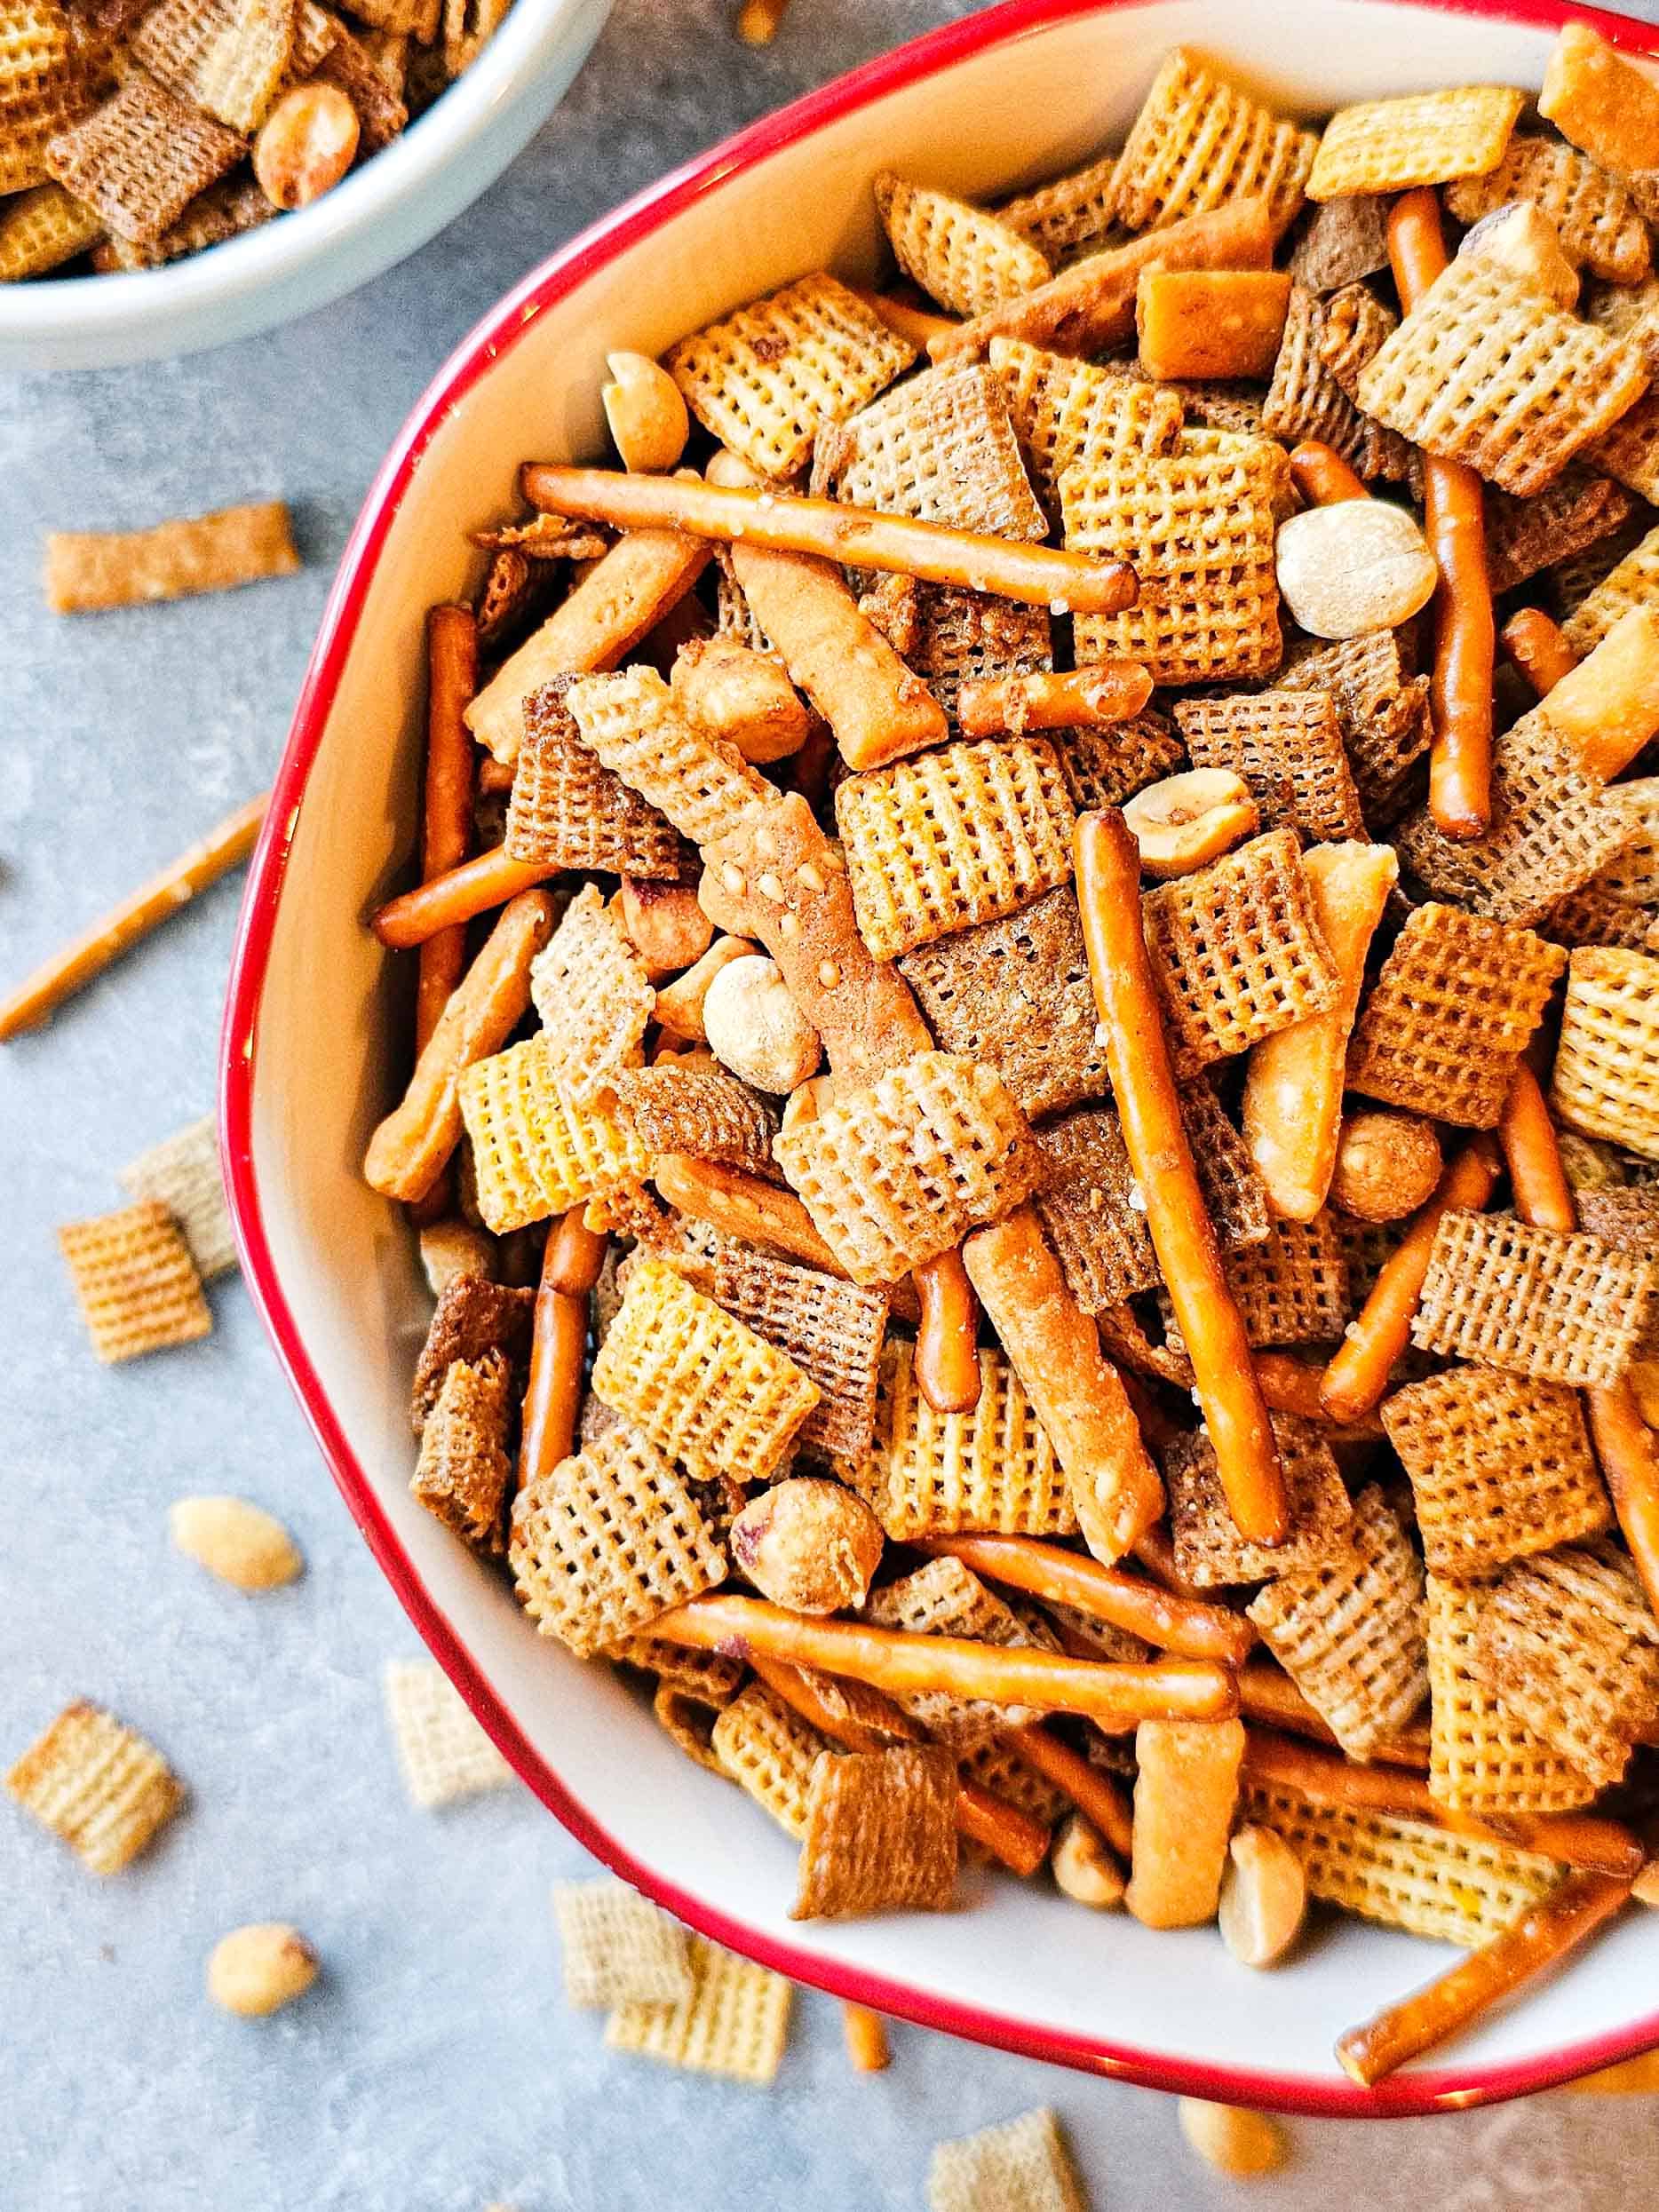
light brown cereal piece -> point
(736, 2021)
(473, 1316)
(443, 1755)
(881, 1834)
(1186, 1792)
(1288, 747)
(594, 995)
(228, 57)
(183, 1172)
(1306, 398)
(630, 721)
(97, 1785)
(1589, 210)
(1210, 1551)
(1627, 311)
(1068, 215)
(1600, 102)
(535, 1152)
(1381, 708)
(963, 257)
(1107, 766)
(808, 1543)
(1022, 2165)
(1343, 241)
(1067, 410)
(1198, 141)
(242, 1545)
(1481, 1758)
(619, 1949)
(1631, 582)
(769, 1751)
(141, 157)
(1556, 1306)
(1424, 138)
(137, 1286)
(568, 811)
(464, 1472)
(1606, 1081)
(42, 228)
(1524, 536)
(945, 1598)
(90, 570)
(702, 1110)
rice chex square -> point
(1555, 1304)
(1209, 1549)
(963, 257)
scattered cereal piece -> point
(619, 1947)
(1022, 2165)
(97, 1785)
(966, 257)
(465, 1473)
(1199, 141)
(1424, 138)
(183, 1172)
(137, 1284)
(881, 1833)
(442, 1753)
(736, 2021)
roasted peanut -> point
(755, 1028)
(306, 144)
(1360, 566)
(808, 1543)
(239, 1543)
(1387, 1164)
(1520, 241)
(1233, 2138)
(732, 692)
(258, 1969)
(1264, 1896)
(451, 1248)
(679, 1003)
(665, 923)
(1083, 1868)
(648, 417)
(1185, 822)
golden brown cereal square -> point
(1633, 580)
(706, 1678)
(607, 1542)
(42, 228)
(1022, 2165)
(88, 570)
(473, 1316)
(703, 1111)
(736, 2021)
(135, 1280)
(97, 1785)
(881, 1834)
(999, 1768)
(183, 1172)
(1342, 240)
(1481, 1758)
(1551, 1304)
(940, 447)
(1589, 210)
(766, 378)
(593, 994)
(535, 1152)
(971, 637)
(1525, 537)
(1606, 1081)
(945, 1598)
(619, 1949)
(1288, 747)
(442, 1753)
(43, 87)
(1306, 401)
(769, 1751)
(1596, 915)
(1630, 450)
(568, 811)
(1103, 767)
(141, 157)
(1500, 1467)
(1423, 138)
(1067, 410)
(1070, 214)
(963, 257)
(464, 1471)
(1199, 141)
(1209, 1549)
(227, 57)
(1290, 1286)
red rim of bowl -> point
(1409, 2093)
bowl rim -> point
(1409, 2094)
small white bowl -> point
(316, 1046)
(382, 211)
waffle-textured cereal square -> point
(703, 1111)
(593, 994)
(900, 1169)
(1626, 311)
(766, 378)
(1070, 214)
(1449, 1015)
(1606, 1081)
(769, 1751)
(1481, 1758)
(946, 1598)
(1526, 536)
(1632, 582)
(607, 1542)
(1199, 141)
(1381, 708)
(96, 1785)
(135, 1280)
(1209, 1549)
(736, 2021)
(999, 1768)
(1589, 210)
(1022, 2165)
(1551, 1304)
(1635, 873)
(1103, 767)
(631, 720)
(1630, 449)
(1343, 241)
(963, 257)
(1288, 747)
(688, 1725)
(1500, 1466)
(442, 1753)
(1352, 326)
(568, 810)
(226, 56)
(972, 637)
(940, 447)
(43, 87)
(1291, 1285)
(1422, 138)
(1485, 372)
(619, 1949)
(183, 1172)
(1237, 951)
(1350, 1631)
(965, 834)
(1596, 915)
(700, 1384)
(1067, 410)
(141, 157)
(1306, 401)
(464, 1471)
(472, 1317)
(881, 1834)
(42, 228)
(535, 1152)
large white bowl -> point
(381, 211)
(316, 1041)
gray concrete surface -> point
(435, 2066)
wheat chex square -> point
(141, 157)
(1381, 708)
(1526, 536)
(1633, 580)
(135, 1281)
(1198, 141)
(464, 1472)
(1022, 2165)
(97, 1785)
(1606, 1081)
(1209, 1549)
(940, 447)
(1291, 1285)
(228, 57)
(1554, 1305)
(1306, 401)
(881, 1834)
(1275, 739)
(473, 1316)
(703, 1111)
(1103, 767)
(972, 638)
(568, 810)
(963, 257)
(1343, 241)
(183, 1172)
(945, 1598)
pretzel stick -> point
(1087, 698)
(1095, 1795)
(571, 1260)
(1453, 522)
(742, 1206)
(1155, 1551)
(455, 898)
(38, 997)
(1541, 1936)
(1607, 707)
(1267, 1695)
(1149, 1105)
(920, 325)
(1116, 1695)
(1017, 1838)
(1321, 475)
(1538, 647)
(1039, 575)
(1358, 1375)
(866, 2032)
(1580, 1840)
(946, 1343)
(1184, 1625)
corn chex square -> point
(1199, 141)
(736, 2022)
(535, 1152)
(141, 157)
(1589, 210)
(1606, 1081)
(701, 1111)
(568, 810)
(1067, 410)
(183, 1172)
(1210, 1551)
(42, 228)
(631, 720)
(97, 1785)
(1555, 1304)
(136, 1283)
(619, 1949)
(43, 88)
(946, 1598)
(1423, 138)
(963, 257)
(463, 1472)
(769, 1751)
(1482, 1757)
(593, 994)
(1022, 2165)
(940, 447)
(881, 1834)
(442, 1753)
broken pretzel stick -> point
(742, 1206)
(70, 970)
(571, 1260)
(1149, 1105)
(1538, 647)
(866, 2033)
(455, 898)
(1321, 475)
(446, 819)
(1292, 1385)
(1054, 699)
(1037, 575)
(946, 1343)
(1094, 1794)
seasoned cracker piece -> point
(1198, 141)
(1432, 1883)
(137, 1286)
(472, 1317)
(1381, 710)
(1351, 328)
(1290, 1286)
(967, 834)
(1022, 2165)
(619, 1949)
(1343, 241)
(1015, 994)
(631, 721)
(736, 2021)
(97, 1785)
(1237, 952)
(973, 636)
(703, 1111)
(945, 1598)
(1104, 767)
(43, 87)
(766, 378)
(991, 1472)
(1567, 1643)
(1424, 138)
(1481, 1758)
(1210, 1551)
(41, 229)
(1524, 536)
(1589, 210)
(1067, 410)
(442, 1753)
(1199, 530)
(1350, 1632)
(1449, 1015)
(769, 1750)
(607, 1542)
(1306, 401)
(940, 447)
(963, 257)
(900, 1169)
(1485, 372)
(1067, 216)
(1555, 1304)
(1606, 1081)
(141, 157)
(464, 1470)
(881, 1834)
(183, 1171)
(535, 1152)
(228, 57)
(1288, 747)
(593, 994)
(568, 811)
(1632, 582)
(87, 570)
(1501, 1467)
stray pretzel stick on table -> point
(946, 1341)
(866, 2033)
(1321, 475)
(1149, 1105)
(571, 1260)
(1541, 1936)
(1037, 575)
(1187, 1626)
(1538, 647)
(1086, 698)
(1267, 1695)
(1453, 522)
(447, 824)
(455, 898)
(1358, 1372)
(1117, 1695)
(1095, 1795)
(39, 997)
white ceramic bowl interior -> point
(380, 212)
(317, 1042)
